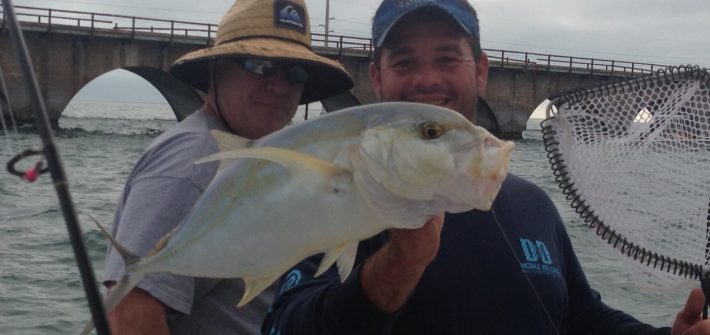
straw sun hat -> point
(268, 29)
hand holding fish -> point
(390, 275)
(689, 320)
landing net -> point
(633, 158)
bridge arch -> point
(181, 99)
(65, 63)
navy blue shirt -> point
(482, 281)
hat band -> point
(307, 46)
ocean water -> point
(40, 288)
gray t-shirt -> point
(159, 193)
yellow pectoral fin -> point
(296, 162)
(226, 142)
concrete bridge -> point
(70, 48)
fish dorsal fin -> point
(344, 254)
(228, 142)
(254, 286)
(296, 162)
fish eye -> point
(431, 130)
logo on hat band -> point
(289, 15)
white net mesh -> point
(633, 157)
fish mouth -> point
(489, 164)
(496, 155)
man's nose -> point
(427, 76)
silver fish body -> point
(322, 186)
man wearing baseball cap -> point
(259, 70)
(508, 271)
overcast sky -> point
(651, 31)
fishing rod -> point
(56, 170)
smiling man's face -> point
(429, 60)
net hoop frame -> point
(577, 201)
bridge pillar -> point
(513, 94)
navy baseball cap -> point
(391, 11)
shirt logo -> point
(537, 258)
(292, 279)
(289, 15)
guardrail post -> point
(548, 63)
(49, 22)
(340, 46)
(612, 68)
(93, 17)
(570, 65)
(526, 61)
(502, 58)
(133, 27)
(591, 66)
(172, 30)
(209, 34)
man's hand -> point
(689, 320)
(139, 313)
(390, 275)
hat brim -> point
(326, 77)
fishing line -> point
(527, 278)
(6, 96)
(4, 129)
(57, 171)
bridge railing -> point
(141, 27)
(95, 22)
(538, 61)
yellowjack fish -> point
(322, 186)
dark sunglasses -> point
(294, 73)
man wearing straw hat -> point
(259, 70)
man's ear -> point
(482, 74)
(376, 79)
